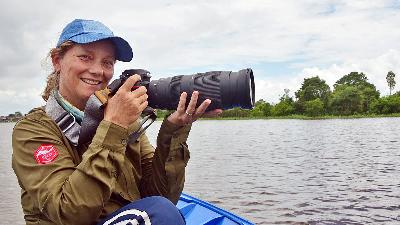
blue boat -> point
(198, 212)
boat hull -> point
(198, 212)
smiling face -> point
(84, 69)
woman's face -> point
(84, 69)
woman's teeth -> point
(91, 82)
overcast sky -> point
(283, 41)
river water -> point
(278, 171)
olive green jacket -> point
(84, 184)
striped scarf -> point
(78, 114)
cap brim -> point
(122, 48)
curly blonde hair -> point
(54, 77)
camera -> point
(226, 89)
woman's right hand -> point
(126, 106)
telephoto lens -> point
(226, 89)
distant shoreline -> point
(298, 117)
(302, 117)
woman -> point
(66, 183)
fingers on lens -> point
(182, 102)
(193, 100)
(204, 105)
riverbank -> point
(303, 117)
(11, 117)
(297, 117)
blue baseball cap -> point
(86, 31)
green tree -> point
(368, 94)
(285, 107)
(286, 95)
(364, 93)
(266, 109)
(352, 79)
(257, 110)
(261, 108)
(390, 80)
(346, 100)
(259, 102)
(386, 105)
(314, 107)
(311, 89)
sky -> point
(282, 41)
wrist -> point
(116, 122)
(174, 120)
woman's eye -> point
(108, 64)
(84, 57)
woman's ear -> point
(56, 60)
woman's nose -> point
(96, 68)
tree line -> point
(352, 94)
(13, 117)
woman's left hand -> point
(183, 116)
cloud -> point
(375, 69)
(184, 37)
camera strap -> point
(65, 120)
(94, 114)
(149, 116)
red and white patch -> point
(45, 154)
